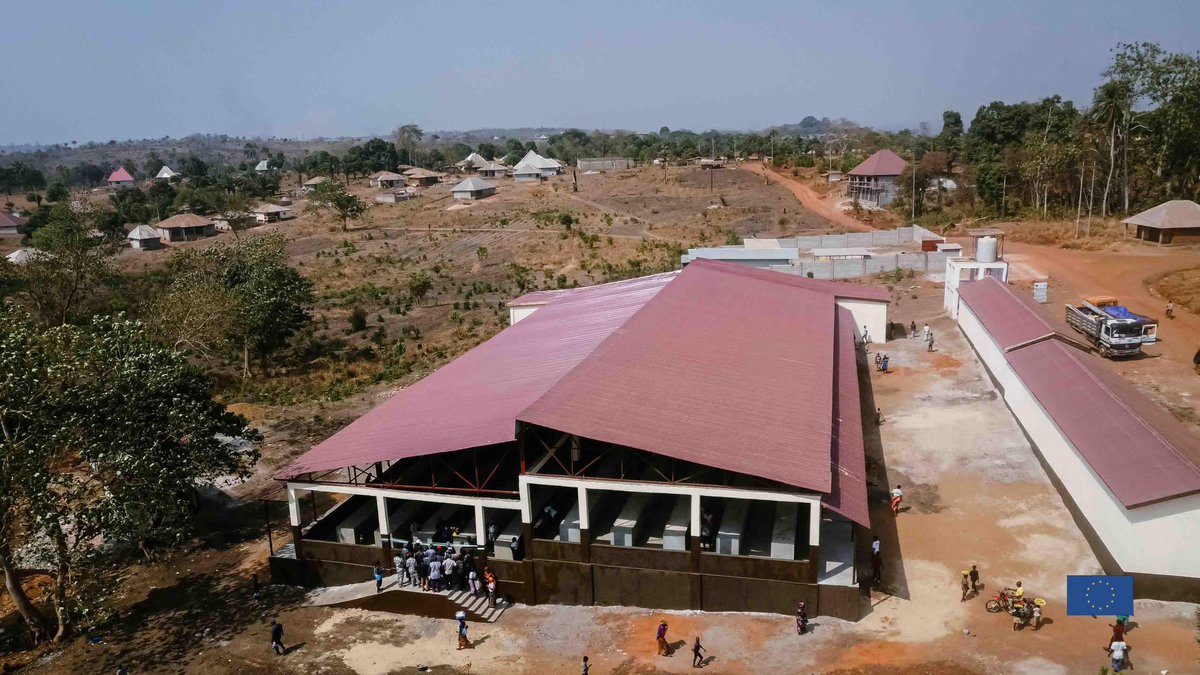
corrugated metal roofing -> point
(882, 163)
(543, 297)
(472, 184)
(1175, 214)
(848, 455)
(1005, 317)
(1142, 454)
(728, 370)
(120, 176)
(475, 399)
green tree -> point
(419, 285)
(332, 196)
(70, 265)
(258, 300)
(108, 447)
(153, 164)
(57, 192)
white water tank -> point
(985, 250)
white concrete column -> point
(695, 514)
(293, 507)
(526, 504)
(583, 509)
(385, 525)
(480, 526)
(814, 520)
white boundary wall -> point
(1156, 539)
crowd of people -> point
(438, 568)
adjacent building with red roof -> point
(874, 182)
(688, 440)
(1127, 469)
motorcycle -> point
(1003, 602)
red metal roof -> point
(1005, 317)
(120, 176)
(848, 457)
(720, 364)
(543, 297)
(729, 370)
(474, 400)
(882, 163)
(1141, 453)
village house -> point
(418, 177)
(603, 163)
(494, 170)
(186, 227)
(166, 173)
(472, 163)
(10, 223)
(271, 213)
(527, 173)
(473, 188)
(312, 183)
(263, 166)
(874, 182)
(386, 179)
(1175, 221)
(144, 238)
(548, 167)
(120, 178)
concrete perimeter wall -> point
(919, 262)
(900, 235)
(1155, 543)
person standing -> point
(489, 580)
(423, 570)
(378, 572)
(876, 561)
(660, 637)
(929, 346)
(912, 329)
(473, 581)
(583, 669)
(410, 566)
(277, 638)
(1170, 310)
(866, 339)
(883, 365)
(897, 498)
(1118, 651)
(697, 649)
(435, 576)
(926, 332)
(398, 564)
(966, 585)
(974, 579)
(448, 573)
(801, 619)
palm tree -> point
(1111, 108)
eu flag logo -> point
(1099, 596)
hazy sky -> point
(97, 70)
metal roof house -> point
(386, 179)
(10, 224)
(493, 170)
(874, 181)
(1176, 219)
(603, 163)
(144, 238)
(738, 489)
(548, 167)
(473, 188)
(120, 178)
(166, 173)
(471, 163)
(418, 177)
(272, 213)
(186, 227)
(1128, 471)
(263, 166)
(312, 183)
(528, 173)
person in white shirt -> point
(1117, 651)
(897, 497)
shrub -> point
(357, 320)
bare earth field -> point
(974, 489)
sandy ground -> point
(808, 197)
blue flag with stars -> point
(1099, 596)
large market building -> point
(690, 440)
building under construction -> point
(690, 440)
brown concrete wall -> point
(733, 594)
(757, 568)
(644, 558)
(648, 588)
(562, 583)
(842, 602)
(544, 549)
(346, 553)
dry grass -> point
(1181, 287)
(1104, 234)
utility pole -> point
(1004, 196)
(1091, 199)
(914, 195)
(1079, 206)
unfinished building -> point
(690, 440)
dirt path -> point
(807, 197)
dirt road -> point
(807, 197)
